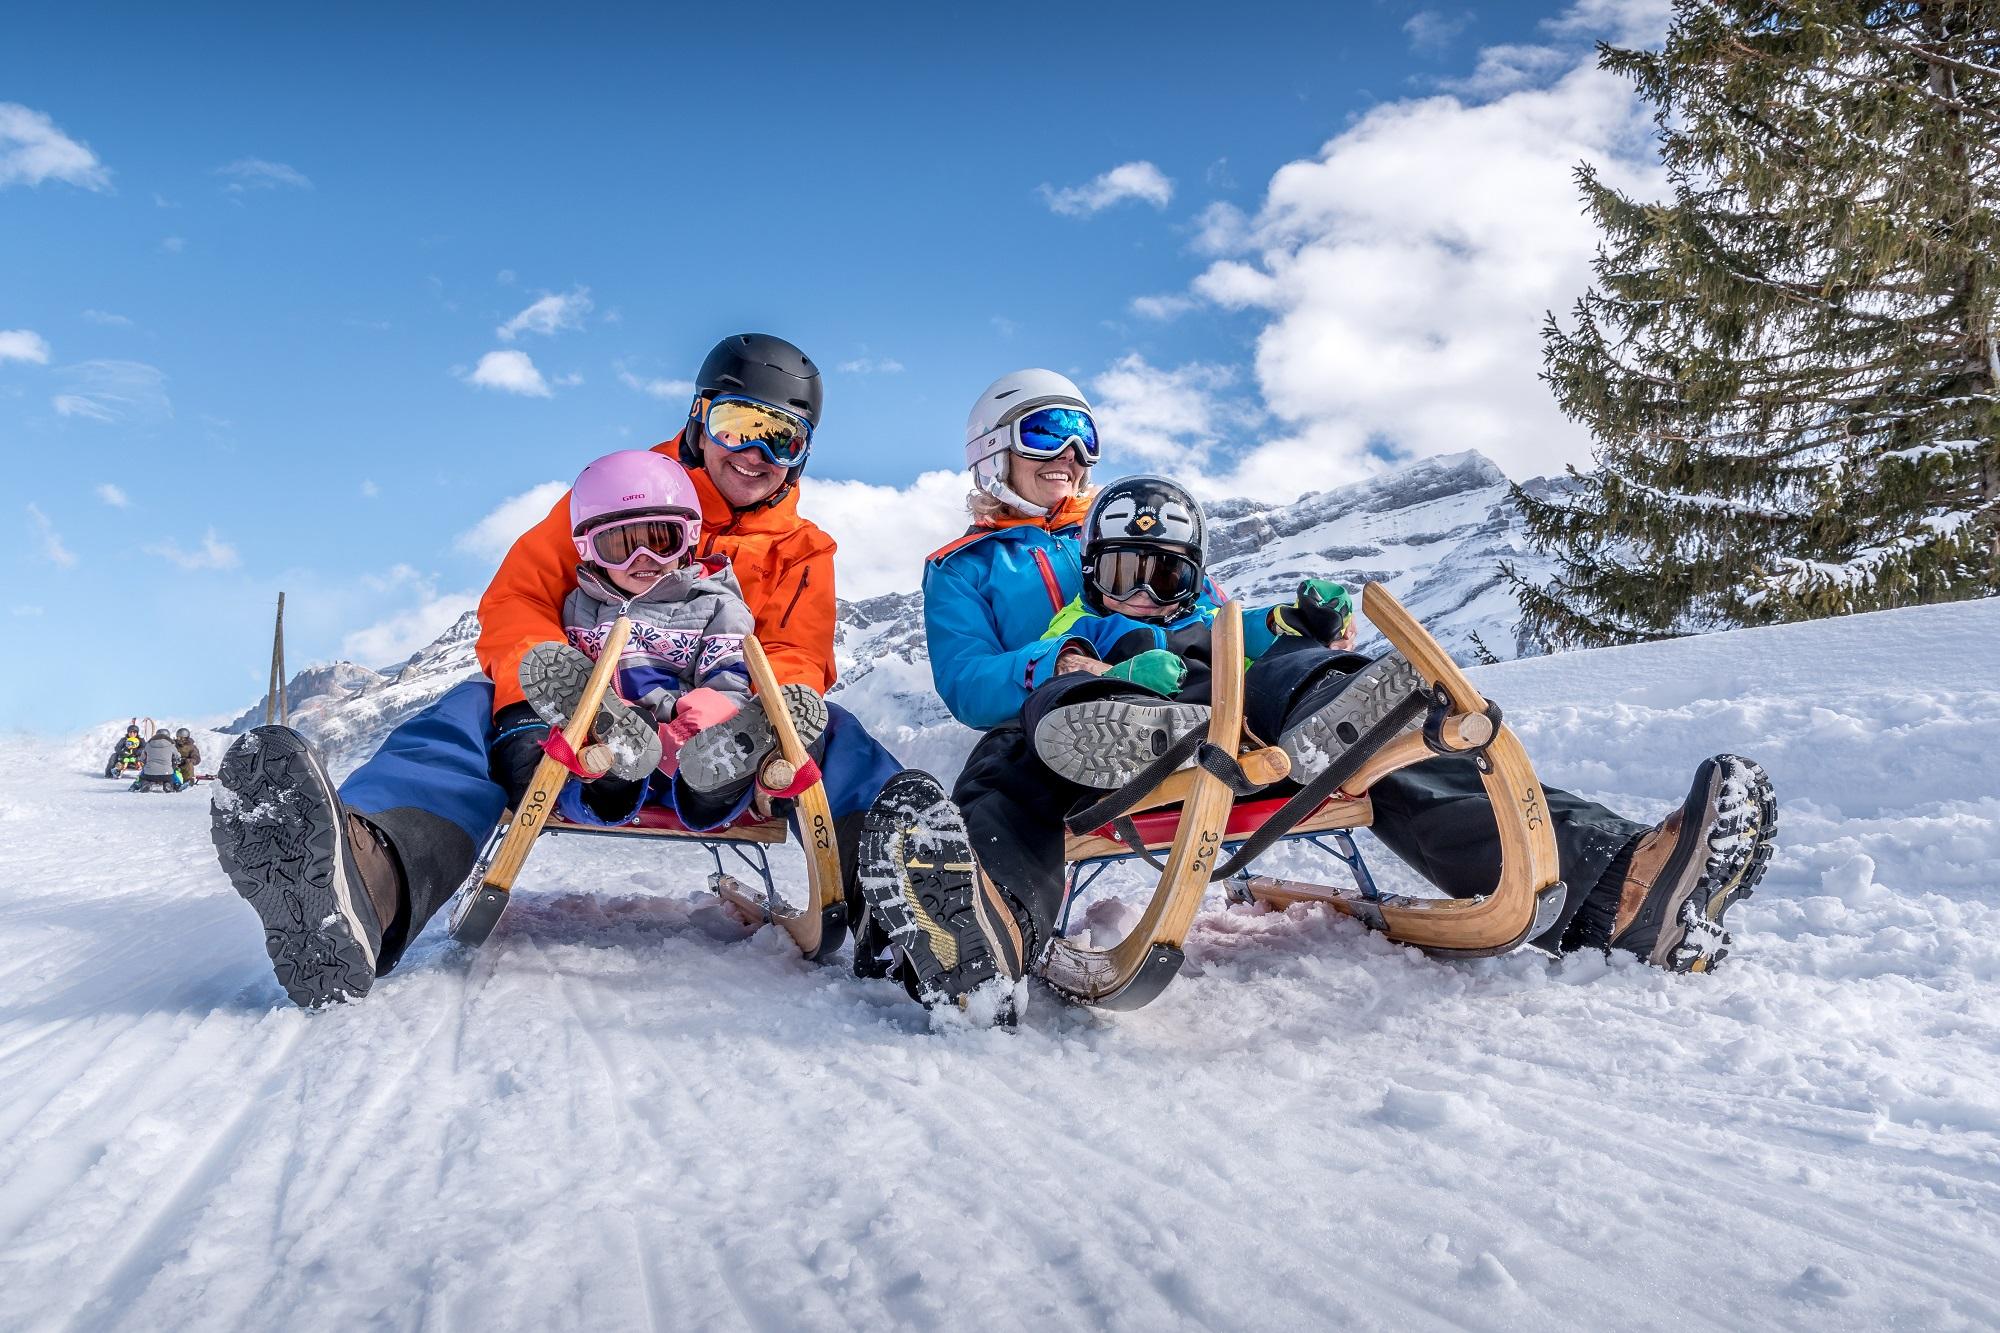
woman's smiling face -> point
(1047, 482)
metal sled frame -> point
(818, 929)
(1526, 901)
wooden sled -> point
(1526, 901)
(818, 929)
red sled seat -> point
(659, 822)
(1158, 827)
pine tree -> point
(1789, 367)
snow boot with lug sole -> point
(1108, 742)
(948, 925)
(1340, 711)
(1694, 865)
(553, 677)
(291, 852)
(727, 755)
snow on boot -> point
(727, 755)
(1339, 711)
(553, 677)
(293, 855)
(952, 931)
(1691, 867)
(1108, 742)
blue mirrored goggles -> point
(1048, 431)
(738, 423)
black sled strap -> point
(1315, 793)
(1195, 745)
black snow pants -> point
(1435, 815)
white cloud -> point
(388, 642)
(172, 245)
(1403, 274)
(33, 150)
(369, 490)
(108, 319)
(1620, 22)
(1131, 180)
(510, 372)
(658, 388)
(52, 542)
(23, 345)
(571, 380)
(1504, 69)
(885, 532)
(114, 496)
(1165, 420)
(25, 610)
(870, 365)
(1429, 30)
(506, 277)
(492, 535)
(213, 553)
(112, 391)
(553, 313)
(1220, 229)
(1170, 306)
(254, 173)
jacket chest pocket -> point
(798, 591)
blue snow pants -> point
(429, 789)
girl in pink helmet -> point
(677, 726)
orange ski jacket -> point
(782, 560)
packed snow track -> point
(617, 1116)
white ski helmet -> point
(988, 442)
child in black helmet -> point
(1144, 619)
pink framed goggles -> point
(616, 544)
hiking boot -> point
(730, 753)
(1108, 742)
(1694, 865)
(323, 881)
(553, 677)
(1337, 712)
(950, 928)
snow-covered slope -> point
(612, 1118)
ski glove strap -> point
(808, 774)
(557, 747)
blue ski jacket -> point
(987, 599)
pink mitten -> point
(696, 711)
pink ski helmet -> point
(632, 486)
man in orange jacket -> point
(344, 881)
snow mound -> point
(614, 1117)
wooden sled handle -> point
(550, 775)
(1528, 864)
(479, 906)
(818, 930)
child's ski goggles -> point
(744, 423)
(1170, 576)
(616, 544)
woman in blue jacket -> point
(966, 889)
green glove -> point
(1156, 669)
(1321, 612)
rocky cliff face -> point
(1434, 532)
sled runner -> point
(1211, 821)
(818, 929)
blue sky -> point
(252, 264)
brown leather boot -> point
(381, 873)
(1691, 867)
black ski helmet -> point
(760, 366)
(1142, 513)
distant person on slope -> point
(158, 760)
(125, 754)
(983, 901)
(387, 851)
(188, 763)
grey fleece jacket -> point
(687, 633)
